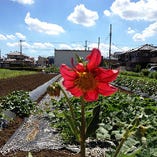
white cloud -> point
(28, 2)
(36, 45)
(107, 13)
(3, 37)
(130, 30)
(140, 10)
(65, 46)
(43, 27)
(15, 44)
(10, 36)
(83, 16)
(150, 31)
(39, 45)
(20, 36)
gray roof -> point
(16, 53)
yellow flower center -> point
(85, 81)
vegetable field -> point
(6, 73)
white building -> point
(65, 56)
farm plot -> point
(24, 82)
(117, 113)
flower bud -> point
(54, 90)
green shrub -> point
(145, 72)
(137, 68)
(153, 75)
(130, 73)
(18, 102)
(51, 69)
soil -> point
(26, 83)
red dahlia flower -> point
(88, 79)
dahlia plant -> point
(85, 80)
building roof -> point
(16, 53)
(146, 47)
(68, 50)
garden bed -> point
(26, 83)
(116, 110)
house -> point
(65, 56)
(42, 61)
(141, 56)
(17, 59)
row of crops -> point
(138, 85)
(114, 118)
(121, 116)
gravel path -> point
(35, 133)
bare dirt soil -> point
(26, 83)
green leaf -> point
(92, 126)
(73, 126)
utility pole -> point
(110, 45)
(110, 41)
(98, 42)
(0, 53)
(85, 45)
(21, 46)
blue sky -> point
(45, 25)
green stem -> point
(69, 103)
(72, 113)
(83, 126)
(125, 136)
(130, 128)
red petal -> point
(80, 67)
(75, 91)
(67, 73)
(68, 84)
(106, 89)
(94, 59)
(104, 75)
(91, 95)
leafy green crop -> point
(18, 102)
(51, 69)
(61, 114)
(118, 113)
(138, 84)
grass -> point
(6, 73)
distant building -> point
(17, 59)
(142, 56)
(65, 56)
(50, 60)
(42, 61)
